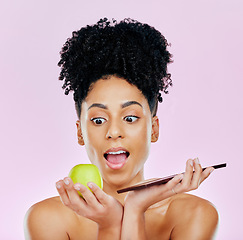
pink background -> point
(201, 117)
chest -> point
(156, 225)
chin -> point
(119, 179)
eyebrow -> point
(126, 104)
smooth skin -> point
(112, 118)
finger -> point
(205, 174)
(101, 196)
(175, 180)
(87, 195)
(186, 182)
(196, 179)
(174, 183)
(76, 202)
(62, 192)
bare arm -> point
(137, 202)
(133, 225)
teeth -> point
(119, 152)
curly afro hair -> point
(129, 49)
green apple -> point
(84, 173)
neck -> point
(111, 188)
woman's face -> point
(117, 129)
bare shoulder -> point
(193, 217)
(187, 202)
(47, 219)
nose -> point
(115, 131)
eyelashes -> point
(100, 120)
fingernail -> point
(66, 181)
(212, 169)
(191, 163)
(76, 187)
(197, 161)
(58, 185)
(90, 185)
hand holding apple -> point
(95, 205)
(84, 173)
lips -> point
(116, 157)
(106, 154)
(116, 149)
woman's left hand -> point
(141, 200)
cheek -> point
(141, 139)
(91, 142)
(143, 130)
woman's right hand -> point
(95, 206)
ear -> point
(79, 133)
(155, 129)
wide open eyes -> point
(131, 119)
(100, 121)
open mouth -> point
(115, 155)
(116, 160)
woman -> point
(117, 71)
